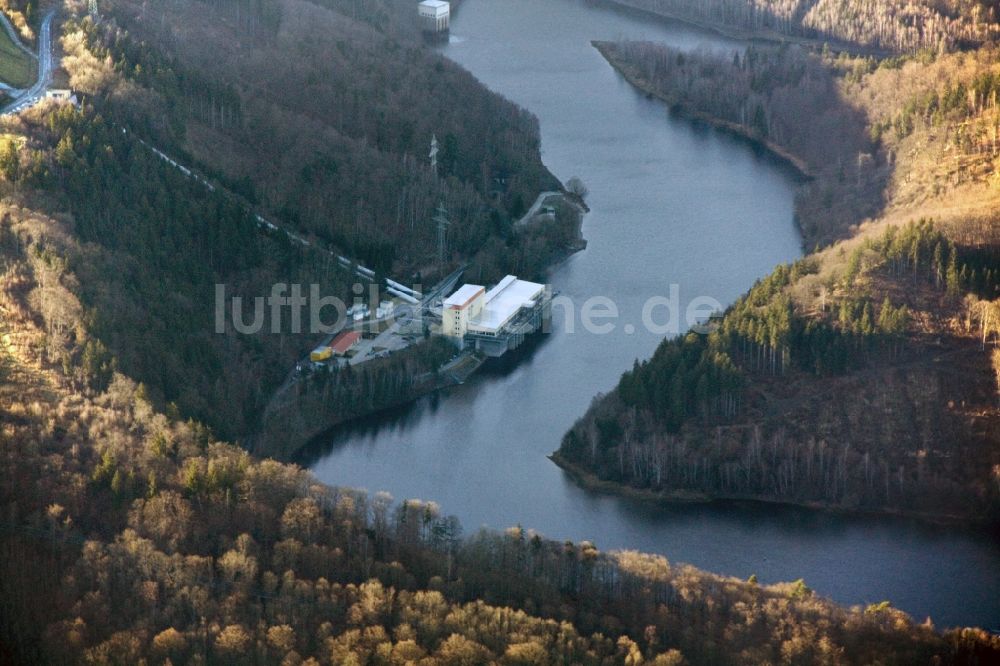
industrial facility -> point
(435, 15)
(496, 321)
(345, 342)
(339, 347)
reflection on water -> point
(671, 203)
(368, 430)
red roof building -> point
(345, 342)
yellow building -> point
(459, 308)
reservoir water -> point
(672, 203)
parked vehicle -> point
(321, 354)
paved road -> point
(33, 94)
(527, 217)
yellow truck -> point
(321, 354)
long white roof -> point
(462, 297)
(436, 4)
(504, 301)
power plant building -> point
(497, 320)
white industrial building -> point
(385, 309)
(497, 320)
(435, 15)
(62, 95)
(503, 303)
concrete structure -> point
(385, 309)
(459, 308)
(503, 302)
(435, 15)
(359, 312)
(498, 320)
(62, 95)
(345, 342)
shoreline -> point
(261, 441)
(797, 164)
(258, 443)
(587, 480)
(740, 34)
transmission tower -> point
(93, 10)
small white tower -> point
(434, 153)
(435, 15)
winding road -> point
(35, 93)
(527, 217)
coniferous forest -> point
(369, 196)
(776, 403)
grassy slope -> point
(17, 68)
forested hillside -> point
(893, 25)
(146, 246)
(129, 536)
(130, 533)
(320, 120)
(866, 375)
(765, 94)
(324, 117)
